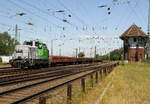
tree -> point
(7, 44)
(0, 59)
(113, 55)
(104, 57)
(81, 54)
(97, 56)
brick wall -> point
(135, 54)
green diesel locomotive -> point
(31, 54)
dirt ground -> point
(4, 65)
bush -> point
(0, 59)
(147, 61)
(122, 62)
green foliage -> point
(81, 54)
(7, 44)
(122, 62)
(113, 55)
(104, 57)
(147, 60)
(0, 59)
(97, 56)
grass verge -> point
(130, 84)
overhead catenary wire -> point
(54, 10)
(84, 25)
(124, 18)
(76, 27)
(85, 10)
(32, 13)
(64, 29)
(135, 11)
(81, 21)
(42, 11)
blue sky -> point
(88, 26)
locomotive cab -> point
(31, 54)
(24, 56)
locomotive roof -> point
(134, 31)
(18, 46)
(36, 42)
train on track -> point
(35, 54)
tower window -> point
(134, 39)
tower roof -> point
(133, 31)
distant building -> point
(5, 59)
(134, 42)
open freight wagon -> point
(62, 60)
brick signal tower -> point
(134, 42)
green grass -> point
(130, 85)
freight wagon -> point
(57, 60)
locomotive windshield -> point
(44, 46)
(40, 46)
(19, 51)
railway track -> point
(38, 74)
(13, 71)
(35, 76)
(40, 85)
(13, 83)
(5, 69)
(13, 93)
(18, 79)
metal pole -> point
(76, 52)
(69, 93)
(51, 47)
(149, 20)
(19, 37)
(60, 51)
(148, 41)
(79, 49)
(91, 52)
(95, 52)
(16, 33)
(109, 53)
(109, 56)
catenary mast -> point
(148, 33)
(149, 20)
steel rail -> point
(17, 70)
(27, 86)
(51, 88)
(5, 82)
